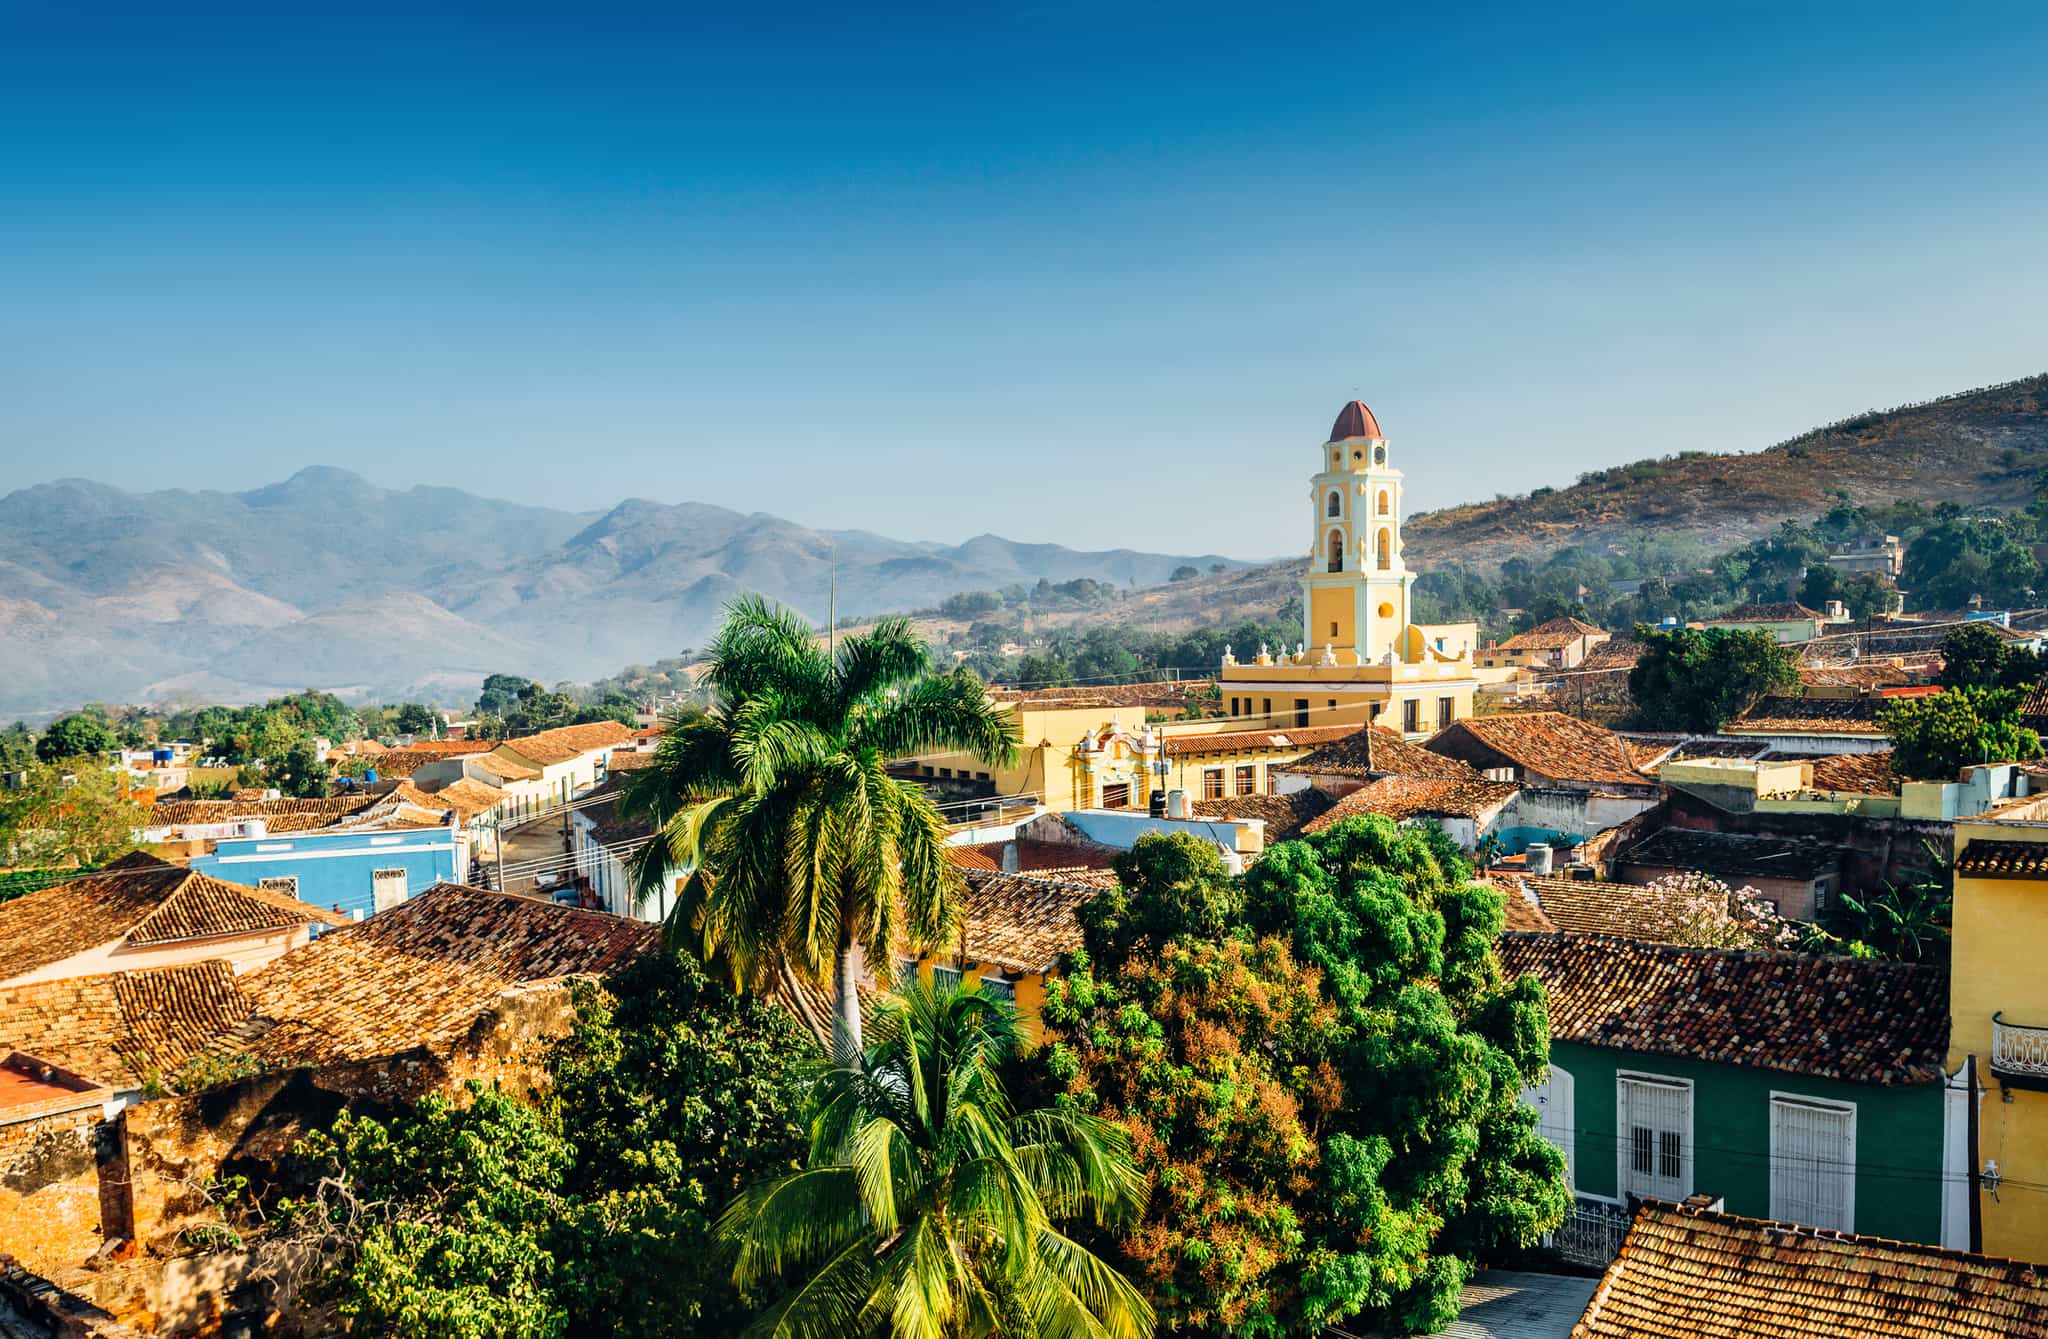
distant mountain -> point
(1985, 447)
(1981, 448)
(327, 580)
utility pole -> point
(832, 606)
(498, 835)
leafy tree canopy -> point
(1321, 1067)
(1698, 679)
(60, 817)
(82, 735)
(298, 772)
(1935, 737)
(1972, 656)
(1958, 558)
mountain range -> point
(327, 580)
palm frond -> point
(940, 714)
(792, 1221)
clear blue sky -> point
(1087, 273)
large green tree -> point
(1935, 737)
(1320, 1065)
(587, 1212)
(1955, 559)
(81, 735)
(931, 1206)
(805, 852)
(1698, 679)
(1973, 656)
(676, 1095)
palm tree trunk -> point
(846, 968)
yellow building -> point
(1362, 657)
(1013, 930)
(1093, 756)
(1998, 1012)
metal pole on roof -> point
(832, 605)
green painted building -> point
(1804, 1089)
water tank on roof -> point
(1177, 805)
(1539, 860)
(370, 777)
(1157, 804)
(160, 755)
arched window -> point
(1383, 502)
(1336, 550)
(1386, 550)
(1336, 507)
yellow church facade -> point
(1362, 657)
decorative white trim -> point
(330, 855)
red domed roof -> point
(1355, 420)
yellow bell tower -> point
(1354, 596)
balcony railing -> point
(2019, 1053)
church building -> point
(1362, 657)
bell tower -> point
(1354, 596)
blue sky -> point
(1085, 273)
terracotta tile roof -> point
(1399, 797)
(972, 857)
(1713, 1275)
(1520, 909)
(628, 760)
(141, 900)
(1857, 773)
(1554, 745)
(2003, 860)
(120, 1027)
(1809, 716)
(1555, 635)
(1594, 906)
(1734, 855)
(811, 1003)
(1285, 815)
(421, 973)
(1375, 751)
(1854, 1019)
(503, 768)
(2034, 707)
(284, 815)
(1244, 741)
(1613, 655)
(1854, 676)
(566, 742)
(1783, 611)
(465, 796)
(1107, 695)
(406, 761)
(1044, 857)
(1019, 923)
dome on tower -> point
(1355, 420)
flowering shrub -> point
(1705, 913)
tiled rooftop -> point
(420, 974)
(120, 1027)
(1019, 923)
(1555, 635)
(1618, 654)
(284, 815)
(503, 768)
(1733, 855)
(1286, 816)
(1713, 1275)
(1854, 1019)
(406, 761)
(566, 742)
(1983, 859)
(1167, 695)
(1596, 906)
(1552, 744)
(1400, 797)
(1783, 611)
(1856, 773)
(142, 900)
(1375, 751)
(1809, 716)
(1247, 741)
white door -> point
(387, 889)
(1555, 1118)
(1655, 1122)
(1813, 1162)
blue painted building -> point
(356, 873)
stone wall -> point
(49, 1189)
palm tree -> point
(804, 852)
(927, 1207)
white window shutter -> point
(1813, 1162)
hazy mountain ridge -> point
(327, 580)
